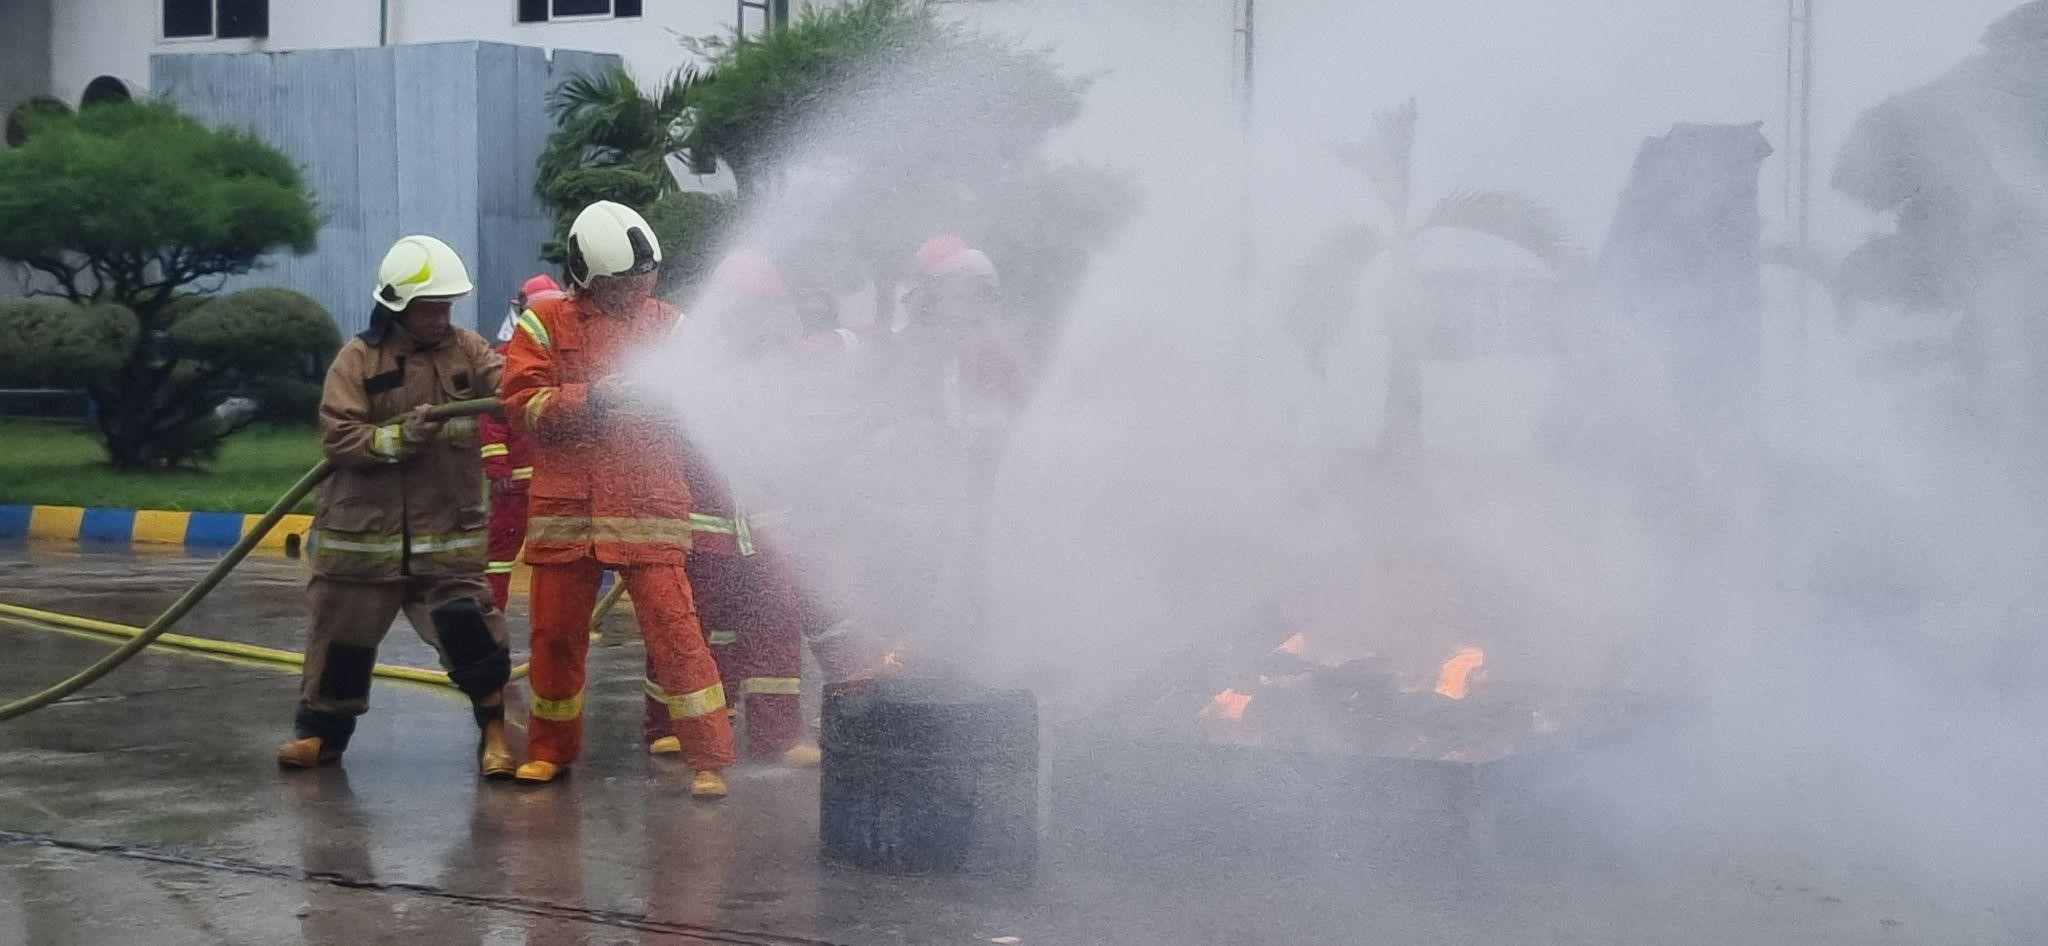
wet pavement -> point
(148, 810)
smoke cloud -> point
(1826, 579)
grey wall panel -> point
(374, 163)
(505, 174)
(24, 50)
(438, 139)
(435, 137)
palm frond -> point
(603, 121)
(1507, 216)
(583, 92)
(672, 98)
(1386, 157)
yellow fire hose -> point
(208, 645)
(157, 630)
(605, 605)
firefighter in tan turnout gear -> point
(400, 524)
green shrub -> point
(50, 343)
(273, 342)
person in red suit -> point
(508, 460)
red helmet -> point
(749, 274)
(931, 256)
(539, 287)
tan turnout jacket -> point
(396, 508)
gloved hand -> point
(420, 428)
(617, 394)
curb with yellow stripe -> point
(121, 527)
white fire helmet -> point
(420, 267)
(610, 239)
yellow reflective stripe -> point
(720, 637)
(690, 705)
(361, 543)
(531, 324)
(537, 403)
(736, 527)
(498, 568)
(568, 529)
(557, 711)
(452, 542)
(779, 686)
(387, 442)
(742, 536)
(700, 522)
(522, 472)
(496, 450)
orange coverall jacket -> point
(607, 484)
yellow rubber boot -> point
(707, 784)
(494, 758)
(802, 756)
(666, 745)
(538, 772)
(305, 753)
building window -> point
(541, 11)
(223, 19)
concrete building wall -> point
(24, 72)
(24, 50)
(438, 139)
(117, 37)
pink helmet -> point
(935, 251)
(539, 287)
(750, 274)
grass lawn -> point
(59, 464)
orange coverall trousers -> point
(680, 671)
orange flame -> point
(1228, 704)
(1452, 680)
(1292, 646)
(892, 660)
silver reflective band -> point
(386, 443)
(448, 545)
(329, 543)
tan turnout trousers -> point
(350, 618)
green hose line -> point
(213, 577)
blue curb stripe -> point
(213, 529)
(110, 526)
(14, 521)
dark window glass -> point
(188, 18)
(625, 7)
(582, 7)
(239, 18)
(533, 11)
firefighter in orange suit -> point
(607, 493)
(508, 460)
